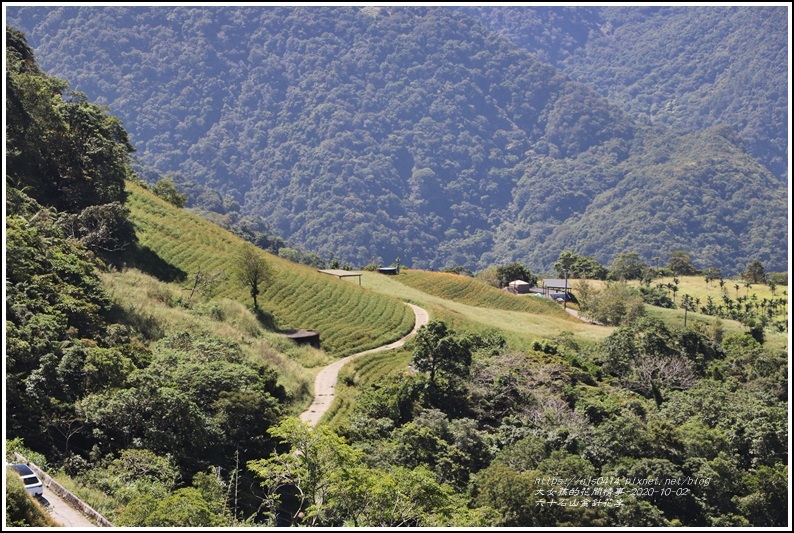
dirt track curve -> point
(325, 382)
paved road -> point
(325, 382)
(574, 312)
(62, 512)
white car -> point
(32, 482)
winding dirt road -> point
(325, 382)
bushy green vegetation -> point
(154, 308)
(649, 403)
(631, 407)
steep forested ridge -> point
(688, 67)
(412, 133)
(695, 192)
(714, 66)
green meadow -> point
(467, 304)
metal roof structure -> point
(305, 336)
(343, 273)
(557, 284)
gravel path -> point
(325, 382)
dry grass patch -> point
(161, 308)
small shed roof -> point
(343, 273)
(518, 282)
(556, 283)
(301, 333)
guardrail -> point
(64, 494)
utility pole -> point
(686, 303)
(565, 298)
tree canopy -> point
(252, 270)
(446, 144)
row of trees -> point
(630, 266)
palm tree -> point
(710, 305)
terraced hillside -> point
(349, 318)
(471, 291)
(468, 304)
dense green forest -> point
(690, 67)
(452, 136)
(160, 407)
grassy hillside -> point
(471, 291)
(473, 306)
(157, 308)
(700, 291)
(349, 318)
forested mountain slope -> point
(696, 192)
(412, 133)
(690, 67)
